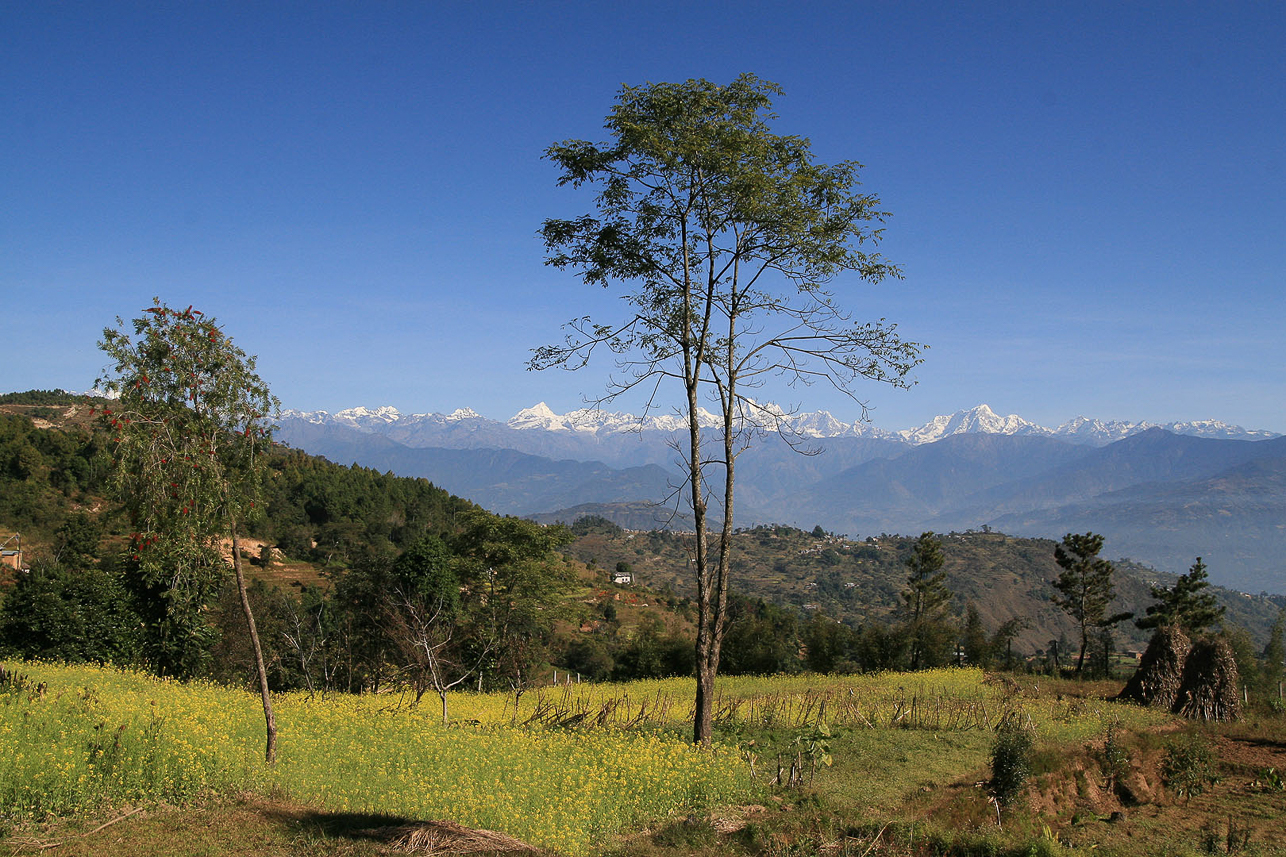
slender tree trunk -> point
(270, 722)
(1085, 644)
(703, 720)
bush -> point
(1188, 766)
(1011, 763)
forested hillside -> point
(858, 582)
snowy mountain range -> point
(818, 425)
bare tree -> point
(423, 631)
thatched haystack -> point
(1209, 689)
(448, 838)
(1160, 673)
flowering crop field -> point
(81, 738)
(561, 767)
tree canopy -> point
(1188, 604)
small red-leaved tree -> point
(190, 423)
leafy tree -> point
(653, 652)
(925, 600)
(724, 237)
(518, 579)
(828, 645)
(76, 541)
(1002, 642)
(190, 426)
(881, 648)
(762, 638)
(423, 611)
(1187, 604)
(1085, 586)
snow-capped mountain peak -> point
(979, 420)
(540, 416)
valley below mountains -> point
(1160, 494)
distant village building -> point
(623, 578)
(11, 552)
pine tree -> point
(1085, 586)
(1187, 604)
(926, 598)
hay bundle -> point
(1160, 674)
(1209, 689)
(445, 837)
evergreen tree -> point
(1187, 604)
(1085, 586)
(973, 639)
(925, 602)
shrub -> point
(1011, 762)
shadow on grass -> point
(356, 826)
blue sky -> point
(1089, 199)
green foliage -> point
(1188, 765)
(69, 614)
(189, 426)
(1274, 660)
(1011, 762)
(424, 572)
(40, 397)
(829, 646)
(76, 540)
(594, 524)
(1187, 604)
(43, 470)
(654, 652)
(1246, 654)
(973, 639)
(1269, 780)
(724, 236)
(1001, 644)
(761, 638)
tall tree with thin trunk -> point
(191, 422)
(1085, 586)
(723, 237)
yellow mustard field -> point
(81, 738)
